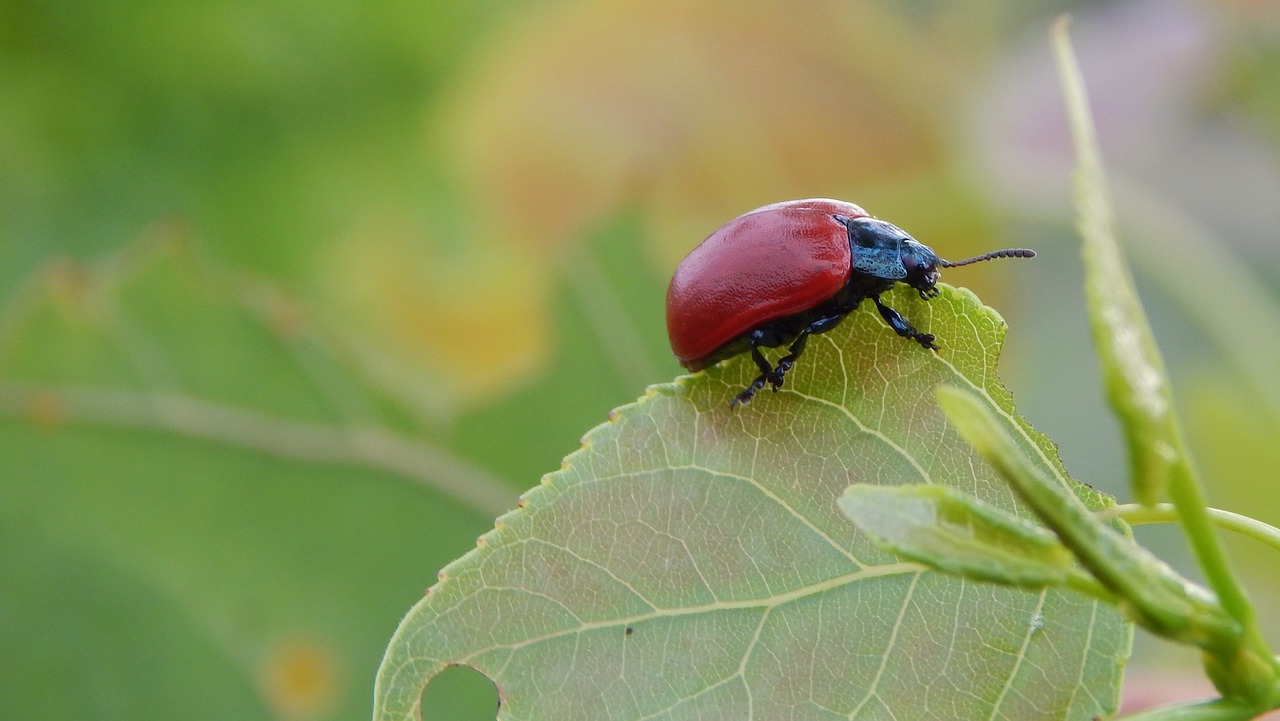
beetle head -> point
(887, 252)
(921, 264)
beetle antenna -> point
(1007, 253)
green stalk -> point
(1138, 389)
(1136, 514)
(1252, 671)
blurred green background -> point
(296, 297)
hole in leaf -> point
(460, 693)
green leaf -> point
(690, 561)
(956, 533)
(1133, 372)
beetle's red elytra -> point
(780, 273)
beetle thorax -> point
(886, 252)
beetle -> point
(786, 271)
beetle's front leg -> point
(902, 327)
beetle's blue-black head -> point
(885, 251)
(921, 264)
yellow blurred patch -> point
(300, 680)
(448, 327)
(45, 411)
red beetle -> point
(783, 272)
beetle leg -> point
(901, 326)
(821, 325)
(753, 342)
(774, 375)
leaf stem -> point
(1136, 514)
(357, 445)
(1215, 710)
(1188, 501)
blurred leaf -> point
(691, 562)
(1254, 73)
(80, 638)
(204, 504)
(449, 329)
(1133, 372)
(1178, 249)
(703, 111)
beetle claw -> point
(778, 375)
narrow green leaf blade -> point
(1133, 372)
(1138, 390)
(956, 533)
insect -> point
(784, 272)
